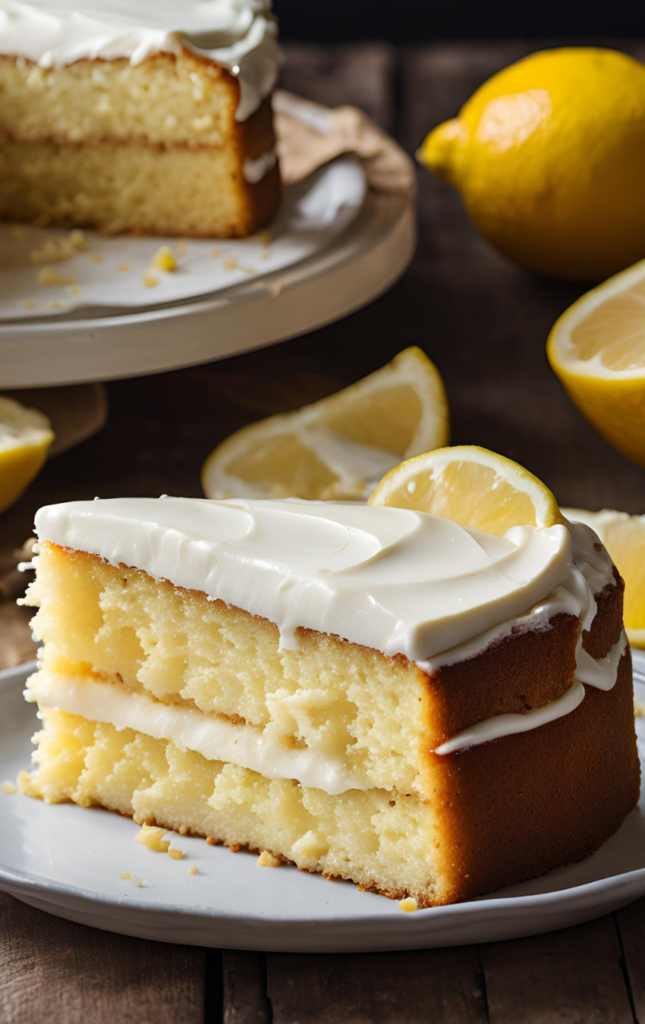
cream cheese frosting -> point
(396, 580)
(240, 35)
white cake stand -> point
(358, 266)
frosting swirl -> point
(396, 580)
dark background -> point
(409, 21)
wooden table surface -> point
(484, 322)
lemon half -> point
(336, 448)
(597, 349)
(470, 486)
(549, 157)
(25, 436)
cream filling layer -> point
(216, 739)
(601, 673)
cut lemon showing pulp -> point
(25, 436)
(597, 349)
(337, 448)
(470, 486)
(624, 538)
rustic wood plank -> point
(441, 985)
(361, 74)
(630, 922)
(484, 320)
(63, 973)
(573, 976)
(244, 988)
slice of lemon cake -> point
(378, 694)
(153, 118)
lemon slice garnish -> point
(624, 537)
(470, 486)
(597, 349)
(25, 436)
(336, 448)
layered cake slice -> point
(152, 118)
(378, 694)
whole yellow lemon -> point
(549, 156)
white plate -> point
(109, 276)
(67, 860)
(356, 267)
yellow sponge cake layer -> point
(120, 120)
(134, 188)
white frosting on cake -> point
(396, 580)
(240, 35)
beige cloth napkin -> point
(309, 136)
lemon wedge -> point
(470, 486)
(597, 349)
(624, 538)
(25, 436)
(337, 448)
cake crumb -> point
(125, 266)
(49, 277)
(266, 255)
(217, 252)
(9, 788)
(125, 876)
(192, 870)
(58, 250)
(176, 854)
(153, 837)
(249, 270)
(96, 258)
(150, 280)
(230, 264)
(267, 860)
(639, 709)
(163, 259)
(54, 305)
(211, 841)
(409, 904)
(29, 304)
(275, 288)
(265, 238)
(74, 289)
